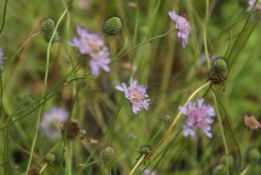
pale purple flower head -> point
(52, 120)
(182, 25)
(251, 4)
(1, 59)
(199, 116)
(136, 94)
(252, 122)
(93, 45)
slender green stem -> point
(44, 88)
(43, 168)
(114, 120)
(19, 50)
(89, 164)
(244, 43)
(245, 25)
(4, 12)
(245, 170)
(157, 133)
(233, 135)
(222, 131)
(137, 164)
(136, 24)
(145, 42)
(205, 34)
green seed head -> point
(47, 27)
(49, 157)
(112, 26)
(219, 65)
(254, 155)
(230, 160)
(107, 154)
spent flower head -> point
(1, 58)
(51, 121)
(136, 94)
(252, 122)
(182, 25)
(93, 45)
(199, 116)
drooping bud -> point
(254, 155)
(107, 154)
(112, 26)
(73, 129)
(47, 27)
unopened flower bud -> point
(47, 27)
(49, 157)
(254, 155)
(73, 129)
(107, 154)
(112, 26)
(219, 65)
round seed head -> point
(112, 26)
(49, 157)
(47, 27)
(107, 154)
(230, 160)
(254, 155)
(219, 65)
(73, 129)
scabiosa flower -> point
(199, 116)
(251, 4)
(136, 94)
(252, 122)
(182, 25)
(93, 45)
(1, 58)
(51, 122)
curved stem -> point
(3, 23)
(222, 131)
(233, 135)
(19, 50)
(175, 121)
(205, 35)
(137, 164)
(135, 47)
(44, 88)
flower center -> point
(184, 24)
(96, 48)
(136, 95)
(253, 123)
(198, 117)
